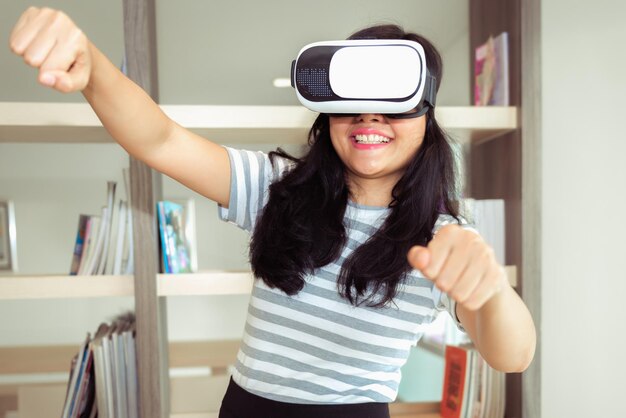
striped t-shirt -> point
(315, 347)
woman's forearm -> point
(504, 332)
(126, 111)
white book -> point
(101, 267)
(120, 239)
(72, 388)
(129, 267)
(488, 217)
(94, 256)
(119, 375)
(91, 236)
(130, 358)
(101, 385)
(108, 373)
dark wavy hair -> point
(301, 227)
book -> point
(175, 248)
(95, 251)
(83, 221)
(102, 262)
(491, 69)
(103, 243)
(488, 217)
(454, 403)
(120, 237)
(76, 374)
(103, 374)
(91, 232)
(102, 393)
(130, 358)
(471, 388)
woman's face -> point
(374, 147)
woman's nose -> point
(370, 117)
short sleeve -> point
(444, 303)
(251, 174)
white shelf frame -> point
(28, 122)
(71, 287)
(192, 284)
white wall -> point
(584, 196)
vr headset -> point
(385, 76)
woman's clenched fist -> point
(50, 41)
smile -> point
(371, 139)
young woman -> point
(356, 246)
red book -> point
(455, 383)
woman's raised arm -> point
(68, 62)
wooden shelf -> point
(56, 287)
(396, 410)
(56, 358)
(24, 122)
(207, 283)
(193, 284)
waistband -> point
(239, 403)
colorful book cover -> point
(491, 69)
(454, 383)
(174, 245)
(79, 244)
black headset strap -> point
(430, 89)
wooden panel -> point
(531, 192)
(152, 363)
(216, 354)
(8, 403)
(37, 359)
(57, 358)
(495, 167)
(412, 409)
(198, 394)
(41, 401)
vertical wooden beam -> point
(495, 166)
(152, 361)
(531, 192)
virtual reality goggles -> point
(385, 76)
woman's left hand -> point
(461, 264)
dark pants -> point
(239, 403)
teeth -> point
(371, 139)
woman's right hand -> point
(50, 41)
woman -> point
(336, 306)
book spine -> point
(454, 382)
(79, 244)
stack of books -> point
(104, 243)
(471, 388)
(488, 217)
(103, 376)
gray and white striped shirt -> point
(315, 347)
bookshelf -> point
(76, 123)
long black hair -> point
(301, 227)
